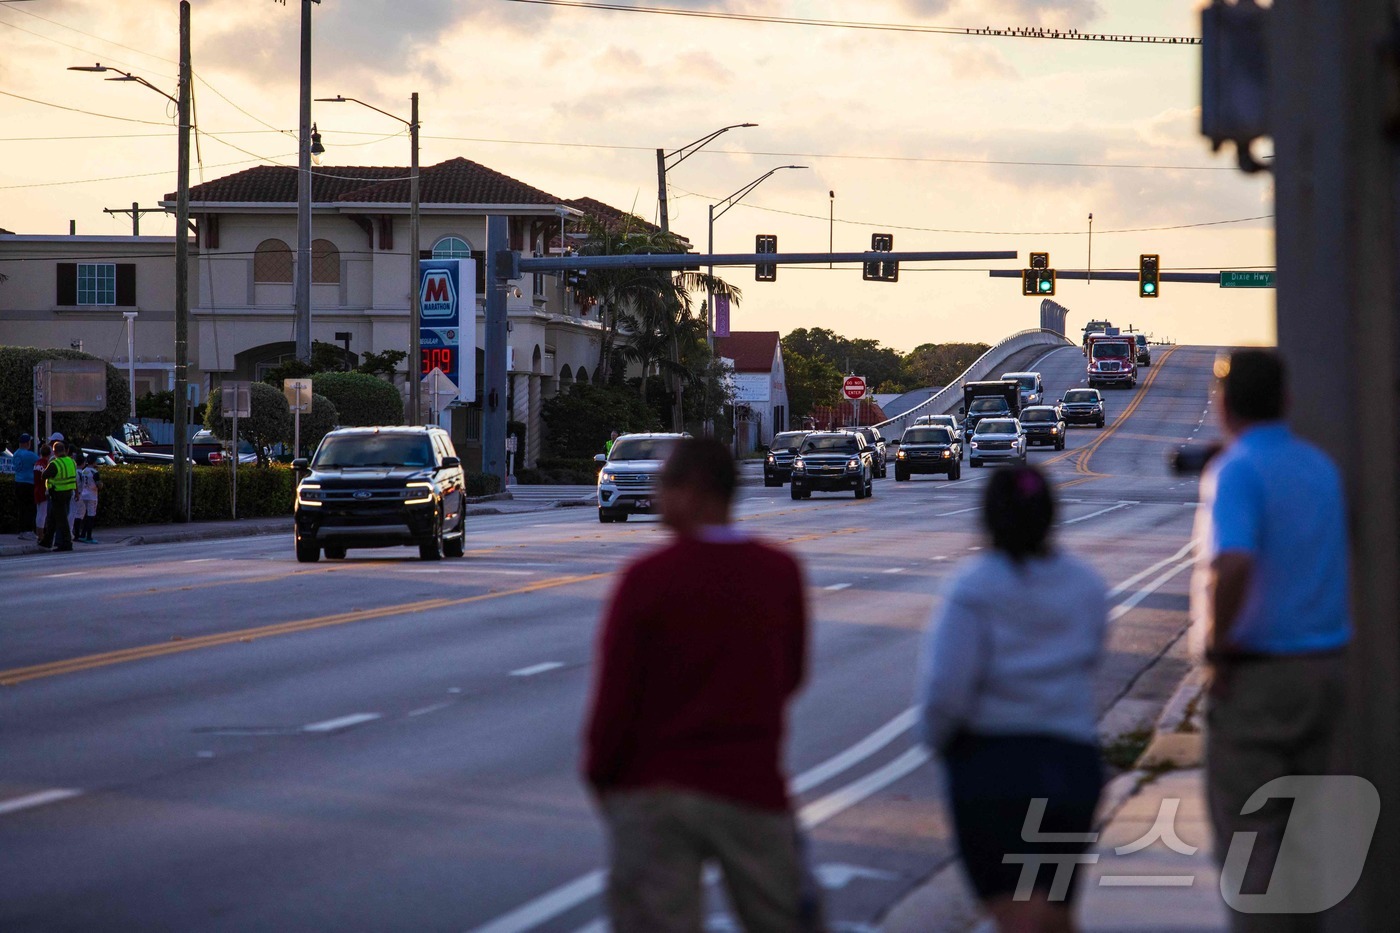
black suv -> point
(878, 450)
(1082, 406)
(928, 449)
(832, 460)
(777, 466)
(380, 487)
(1144, 352)
(1044, 424)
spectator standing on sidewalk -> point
(1006, 693)
(1271, 604)
(24, 460)
(89, 483)
(61, 476)
(41, 489)
(703, 646)
(608, 444)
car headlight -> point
(1055, 429)
(772, 459)
(607, 476)
(420, 493)
(900, 455)
(974, 445)
(947, 454)
(799, 464)
(309, 494)
(853, 463)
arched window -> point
(325, 263)
(581, 375)
(452, 247)
(272, 262)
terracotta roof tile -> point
(751, 350)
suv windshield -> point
(996, 426)
(373, 450)
(1027, 380)
(1039, 414)
(928, 436)
(988, 405)
(843, 443)
(788, 441)
(1081, 395)
(1110, 351)
(642, 448)
(1141, 340)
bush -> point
(145, 494)
(580, 420)
(320, 421)
(360, 399)
(483, 484)
(17, 397)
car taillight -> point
(215, 458)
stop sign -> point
(854, 388)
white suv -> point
(629, 478)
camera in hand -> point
(1191, 459)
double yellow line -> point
(18, 675)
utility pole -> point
(669, 160)
(415, 321)
(493, 406)
(180, 443)
(135, 210)
(303, 268)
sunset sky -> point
(913, 131)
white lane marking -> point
(534, 669)
(958, 512)
(872, 743)
(548, 906)
(836, 802)
(1137, 578)
(1111, 508)
(597, 926)
(1150, 881)
(341, 722)
(71, 573)
(1127, 605)
(15, 804)
(894, 570)
(432, 708)
(939, 557)
(200, 560)
(837, 586)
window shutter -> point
(67, 284)
(126, 284)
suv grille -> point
(633, 480)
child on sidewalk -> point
(85, 503)
(41, 491)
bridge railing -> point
(949, 397)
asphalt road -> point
(211, 737)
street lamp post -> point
(179, 443)
(131, 360)
(415, 353)
(665, 161)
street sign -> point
(447, 322)
(298, 392)
(853, 388)
(439, 389)
(1246, 280)
(236, 399)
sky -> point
(918, 135)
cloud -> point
(979, 63)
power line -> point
(1008, 32)
(89, 113)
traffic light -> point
(1149, 276)
(765, 271)
(1039, 280)
(881, 271)
(576, 279)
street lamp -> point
(665, 161)
(131, 359)
(179, 443)
(415, 353)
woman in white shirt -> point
(1007, 700)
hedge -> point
(361, 399)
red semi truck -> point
(1112, 359)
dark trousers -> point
(24, 506)
(57, 534)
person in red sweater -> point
(703, 645)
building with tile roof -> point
(760, 384)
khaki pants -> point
(1268, 718)
(660, 840)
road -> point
(212, 737)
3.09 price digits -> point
(436, 357)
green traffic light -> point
(1046, 285)
(1149, 287)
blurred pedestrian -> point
(41, 489)
(703, 646)
(608, 444)
(1271, 602)
(89, 484)
(1006, 694)
(61, 476)
(24, 460)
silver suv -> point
(629, 478)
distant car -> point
(208, 449)
(928, 449)
(1032, 387)
(630, 473)
(944, 421)
(1043, 424)
(878, 448)
(1083, 406)
(777, 466)
(829, 461)
(123, 452)
(1144, 353)
(997, 439)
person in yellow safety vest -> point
(608, 444)
(61, 477)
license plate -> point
(643, 503)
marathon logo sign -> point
(438, 291)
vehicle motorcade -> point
(1144, 352)
(1032, 387)
(997, 439)
(777, 466)
(381, 487)
(878, 448)
(1112, 360)
(1094, 327)
(928, 449)
(1044, 425)
(629, 478)
(1083, 406)
(997, 399)
(830, 461)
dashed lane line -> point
(29, 801)
(341, 722)
(534, 669)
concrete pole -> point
(131, 360)
(303, 270)
(179, 443)
(493, 406)
(1338, 297)
(415, 352)
(661, 190)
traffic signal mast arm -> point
(695, 260)
(1206, 278)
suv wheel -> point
(900, 476)
(456, 546)
(431, 549)
(796, 492)
(335, 552)
(307, 551)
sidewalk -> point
(1164, 880)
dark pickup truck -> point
(1000, 398)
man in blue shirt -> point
(1276, 600)
(24, 460)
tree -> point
(17, 396)
(315, 424)
(939, 364)
(325, 358)
(811, 381)
(361, 399)
(579, 421)
(881, 366)
(269, 420)
(384, 364)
